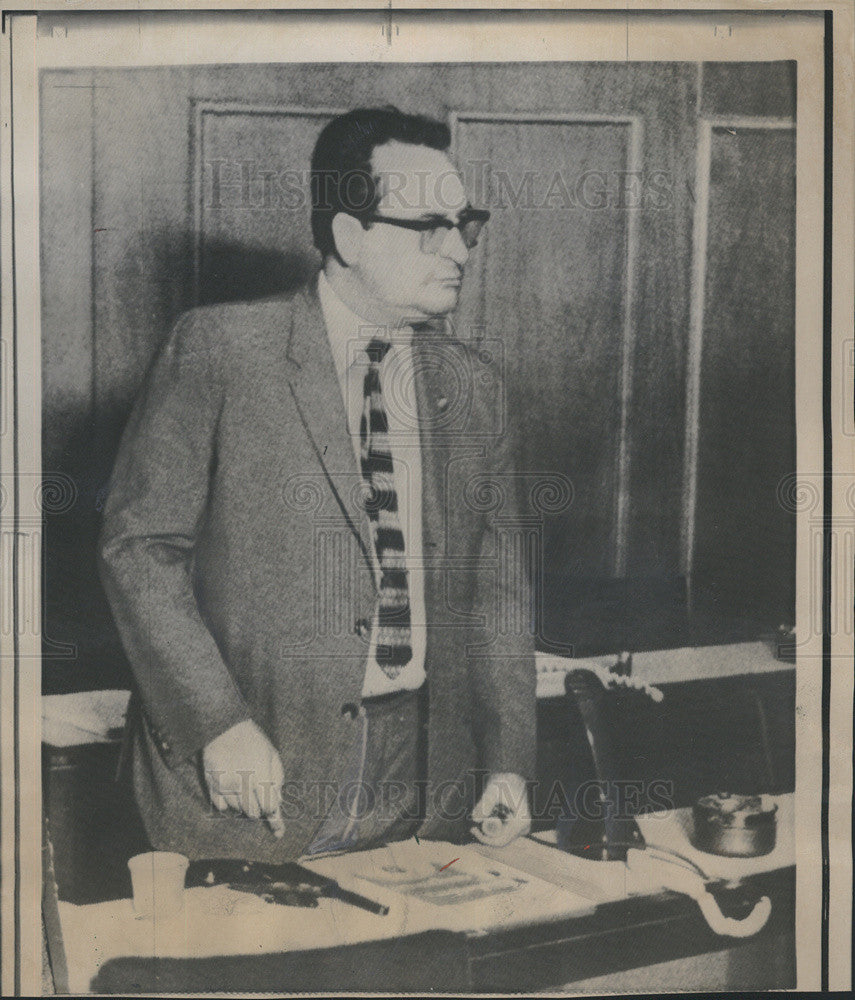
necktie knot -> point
(377, 350)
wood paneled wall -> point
(637, 274)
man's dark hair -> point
(342, 177)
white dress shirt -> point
(349, 335)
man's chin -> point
(442, 303)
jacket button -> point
(362, 627)
(349, 708)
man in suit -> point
(306, 583)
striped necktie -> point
(393, 641)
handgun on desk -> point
(288, 884)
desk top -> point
(218, 921)
(527, 883)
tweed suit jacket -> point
(234, 556)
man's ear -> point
(348, 234)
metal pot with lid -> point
(736, 826)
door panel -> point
(745, 539)
(252, 199)
(550, 282)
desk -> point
(590, 925)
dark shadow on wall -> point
(231, 272)
(81, 648)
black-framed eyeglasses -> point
(434, 230)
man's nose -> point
(454, 247)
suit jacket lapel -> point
(315, 387)
(442, 446)
(433, 457)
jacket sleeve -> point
(502, 671)
(156, 503)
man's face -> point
(416, 182)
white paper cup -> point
(158, 882)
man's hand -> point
(502, 813)
(244, 772)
